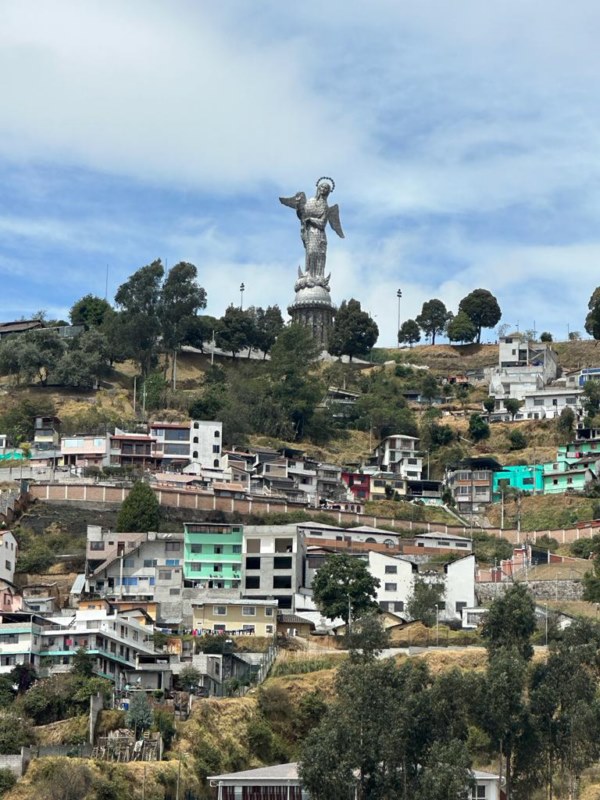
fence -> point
(202, 500)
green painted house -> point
(212, 555)
(569, 474)
(525, 478)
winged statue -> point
(314, 213)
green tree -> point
(489, 404)
(460, 328)
(89, 311)
(566, 422)
(482, 309)
(37, 559)
(478, 428)
(430, 388)
(294, 391)
(512, 405)
(7, 780)
(140, 511)
(409, 332)
(517, 439)
(82, 664)
(510, 622)
(201, 329)
(424, 601)
(432, 319)
(368, 637)
(139, 717)
(343, 586)
(236, 330)
(590, 401)
(447, 772)
(15, 732)
(592, 321)
(140, 299)
(354, 333)
(189, 678)
(546, 337)
(181, 299)
(268, 324)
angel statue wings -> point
(314, 214)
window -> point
(196, 548)
(391, 587)
(391, 569)
(252, 582)
(8, 565)
(248, 628)
(460, 604)
(282, 562)
(130, 581)
(128, 563)
(164, 574)
(252, 562)
(236, 548)
(479, 792)
(174, 592)
(218, 549)
(217, 567)
(195, 454)
(195, 440)
(172, 562)
(216, 448)
(217, 435)
(248, 611)
(282, 582)
(149, 562)
(196, 566)
(253, 546)
(96, 545)
(269, 628)
(268, 612)
(9, 638)
(172, 547)
(399, 605)
(220, 611)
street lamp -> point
(399, 296)
(242, 288)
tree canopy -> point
(354, 333)
(432, 319)
(343, 586)
(482, 308)
(409, 332)
(140, 511)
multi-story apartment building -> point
(523, 368)
(471, 483)
(212, 557)
(132, 450)
(273, 564)
(397, 578)
(193, 442)
(235, 615)
(140, 566)
(398, 454)
(119, 643)
(85, 450)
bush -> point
(517, 439)
(140, 510)
(7, 781)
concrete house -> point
(273, 563)
(523, 368)
(212, 557)
(398, 454)
(228, 613)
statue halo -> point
(329, 180)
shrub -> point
(517, 439)
(7, 781)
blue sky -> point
(464, 139)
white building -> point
(398, 454)
(524, 368)
(444, 541)
(549, 403)
(182, 443)
(397, 578)
(8, 556)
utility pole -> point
(399, 296)
(242, 288)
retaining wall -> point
(197, 500)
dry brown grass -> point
(65, 731)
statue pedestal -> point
(312, 307)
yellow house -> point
(235, 616)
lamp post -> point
(242, 288)
(399, 296)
